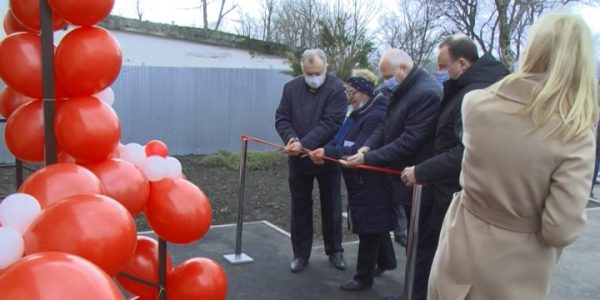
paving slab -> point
(268, 276)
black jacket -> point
(406, 137)
(371, 207)
(314, 116)
(442, 171)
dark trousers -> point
(374, 249)
(301, 187)
(427, 244)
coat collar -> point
(518, 87)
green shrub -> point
(254, 160)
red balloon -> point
(11, 24)
(24, 132)
(10, 101)
(178, 199)
(94, 227)
(21, 63)
(64, 157)
(123, 182)
(87, 128)
(28, 13)
(88, 60)
(197, 278)
(143, 265)
(56, 275)
(156, 147)
(82, 13)
(58, 181)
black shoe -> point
(401, 237)
(298, 264)
(353, 286)
(378, 271)
(337, 260)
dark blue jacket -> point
(442, 171)
(312, 115)
(406, 137)
(371, 207)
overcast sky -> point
(188, 13)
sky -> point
(188, 13)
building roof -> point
(194, 34)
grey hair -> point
(309, 55)
(397, 57)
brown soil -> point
(266, 194)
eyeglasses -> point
(350, 93)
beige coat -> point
(523, 200)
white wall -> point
(141, 49)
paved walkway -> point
(268, 277)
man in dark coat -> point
(467, 71)
(311, 111)
(406, 139)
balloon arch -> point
(70, 229)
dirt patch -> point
(267, 194)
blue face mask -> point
(443, 75)
(391, 83)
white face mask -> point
(315, 81)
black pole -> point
(19, 172)
(240, 220)
(413, 241)
(238, 257)
(47, 33)
(162, 269)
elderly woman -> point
(528, 161)
(371, 209)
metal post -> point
(162, 269)
(19, 172)
(413, 238)
(238, 257)
(47, 33)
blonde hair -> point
(560, 49)
(366, 74)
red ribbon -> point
(304, 151)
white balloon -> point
(107, 96)
(12, 245)
(18, 211)
(133, 153)
(155, 168)
(174, 167)
(117, 152)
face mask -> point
(443, 75)
(314, 81)
(449, 68)
(391, 83)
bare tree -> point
(344, 35)
(249, 26)
(498, 26)
(416, 29)
(268, 7)
(138, 9)
(223, 12)
(295, 22)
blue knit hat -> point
(362, 85)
